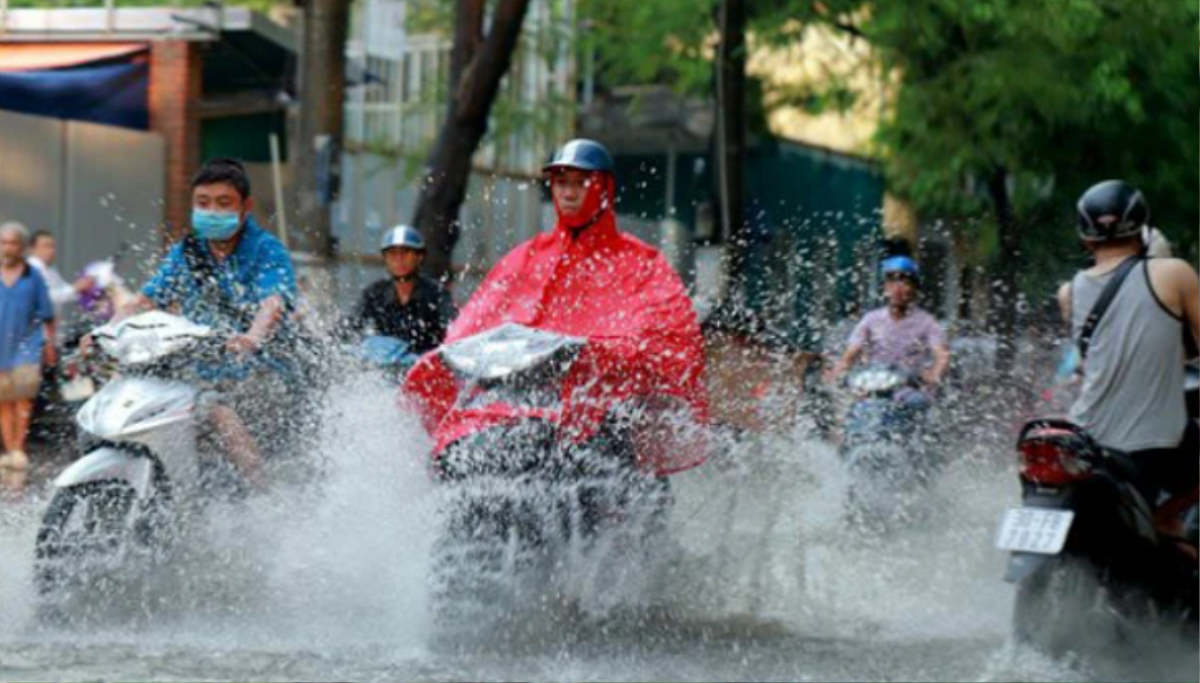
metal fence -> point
(99, 189)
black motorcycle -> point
(1090, 564)
(1193, 389)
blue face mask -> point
(215, 225)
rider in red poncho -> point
(585, 278)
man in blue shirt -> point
(232, 275)
(26, 341)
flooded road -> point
(763, 580)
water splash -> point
(761, 578)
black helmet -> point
(1112, 210)
(585, 155)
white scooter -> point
(141, 460)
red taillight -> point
(1050, 463)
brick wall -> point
(176, 86)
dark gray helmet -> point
(402, 236)
(1112, 210)
(585, 155)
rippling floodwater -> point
(764, 582)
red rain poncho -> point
(619, 293)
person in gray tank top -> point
(1133, 376)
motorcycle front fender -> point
(108, 463)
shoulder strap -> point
(1106, 298)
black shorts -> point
(1174, 470)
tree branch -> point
(468, 32)
(822, 10)
(492, 60)
(848, 28)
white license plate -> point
(1035, 530)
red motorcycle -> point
(544, 444)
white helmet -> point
(402, 236)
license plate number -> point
(1035, 530)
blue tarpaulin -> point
(113, 93)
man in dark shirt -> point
(406, 305)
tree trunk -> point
(477, 66)
(731, 141)
(1005, 294)
(317, 148)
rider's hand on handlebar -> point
(833, 374)
(243, 344)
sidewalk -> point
(46, 460)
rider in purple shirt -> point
(900, 334)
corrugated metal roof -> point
(144, 23)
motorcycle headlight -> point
(875, 381)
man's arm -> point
(1185, 284)
(1191, 302)
(854, 348)
(50, 350)
(853, 351)
(270, 314)
(1177, 287)
(939, 348)
(941, 362)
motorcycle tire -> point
(82, 527)
(484, 547)
(1066, 607)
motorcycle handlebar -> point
(213, 348)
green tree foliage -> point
(1048, 96)
(258, 5)
(652, 41)
(1055, 95)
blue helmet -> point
(402, 236)
(585, 155)
(901, 265)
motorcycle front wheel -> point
(85, 529)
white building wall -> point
(392, 122)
